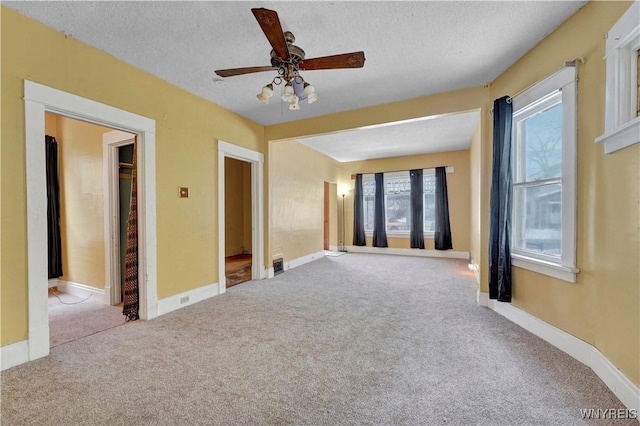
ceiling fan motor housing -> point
(296, 54)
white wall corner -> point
(178, 301)
(14, 354)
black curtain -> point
(54, 243)
(379, 225)
(417, 203)
(358, 214)
(500, 207)
(442, 234)
(131, 303)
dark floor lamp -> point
(342, 246)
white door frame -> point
(110, 163)
(39, 99)
(256, 159)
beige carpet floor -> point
(351, 340)
(72, 317)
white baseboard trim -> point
(14, 354)
(83, 290)
(622, 387)
(409, 252)
(294, 263)
(333, 248)
(53, 282)
(173, 303)
(270, 273)
(483, 298)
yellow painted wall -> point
(237, 178)
(457, 189)
(81, 201)
(297, 176)
(603, 307)
(187, 130)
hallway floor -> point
(237, 269)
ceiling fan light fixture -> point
(312, 97)
(288, 60)
(266, 93)
(295, 106)
(310, 93)
(288, 93)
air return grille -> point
(278, 266)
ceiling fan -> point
(288, 60)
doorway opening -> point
(238, 235)
(255, 160)
(39, 99)
(79, 301)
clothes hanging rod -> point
(126, 165)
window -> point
(368, 192)
(397, 202)
(537, 177)
(397, 194)
(622, 104)
(544, 176)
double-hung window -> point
(544, 177)
(397, 195)
(622, 105)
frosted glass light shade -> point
(266, 93)
(289, 94)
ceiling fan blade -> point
(345, 60)
(239, 71)
(270, 24)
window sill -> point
(551, 269)
(622, 137)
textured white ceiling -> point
(412, 49)
(451, 132)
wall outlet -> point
(184, 299)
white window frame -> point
(622, 125)
(564, 267)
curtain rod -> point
(573, 63)
(449, 169)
